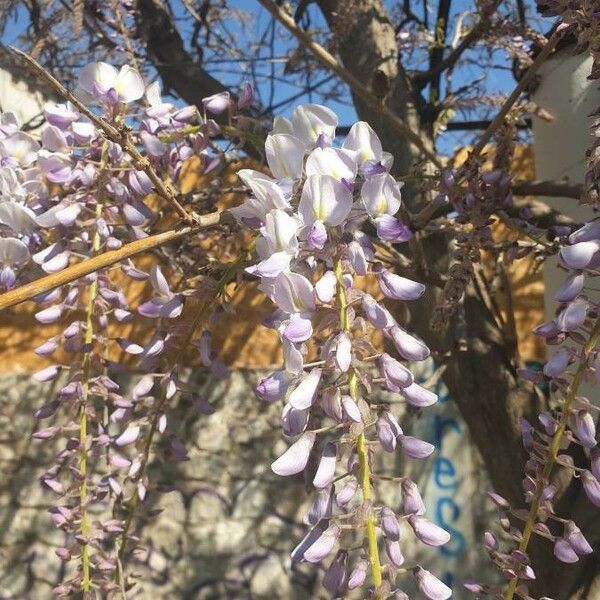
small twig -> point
(117, 135)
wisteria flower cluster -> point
(73, 194)
(104, 173)
(310, 218)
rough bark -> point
(166, 50)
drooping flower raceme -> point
(573, 337)
(72, 194)
(310, 218)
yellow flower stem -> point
(83, 424)
(554, 450)
(361, 445)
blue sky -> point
(496, 80)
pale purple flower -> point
(417, 395)
(13, 252)
(129, 436)
(284, 155)
(362, 142)
(408, 346)
(324, 199)
(572, 534)
(47, 374)
(358, 575)
(558, 363)
(429, 533)
(295, 458)
(394, 552)
(19, 149)
(389, 524)
(414, 447)
(381, 195)
(317, 544)
(390, 229)
(395, 372)
(347, 491)
(60, 115)
(332, 163)
(343, 352)
(377, 314)
(358, 258)
(335, 576)
(412, 503)
(584, 428)
(297, 329)
(101, 81)
(351, 409)
(571, 288)
(564, 551)
(50, 314)
(580, 255)
(309, 121)
(385, 434)
(316, 236)
(326, 469)
(217, 103)
(573, 315)
(399, 288)
(304, 394)
(273, 387)
(293, 293)
(325, 287)
(591, 486)
(430, 586)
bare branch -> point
(520, 87)
(423, 78)
(101, 261)
(559, 189)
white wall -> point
(560, 145)
(16, 97)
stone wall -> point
(228, 523)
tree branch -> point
(101, 261)
(329, 62)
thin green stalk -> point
(554, 450)
(361, 446)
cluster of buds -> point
(475, 197)
(311, 246)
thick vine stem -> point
(361, 446)
(554, 449)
